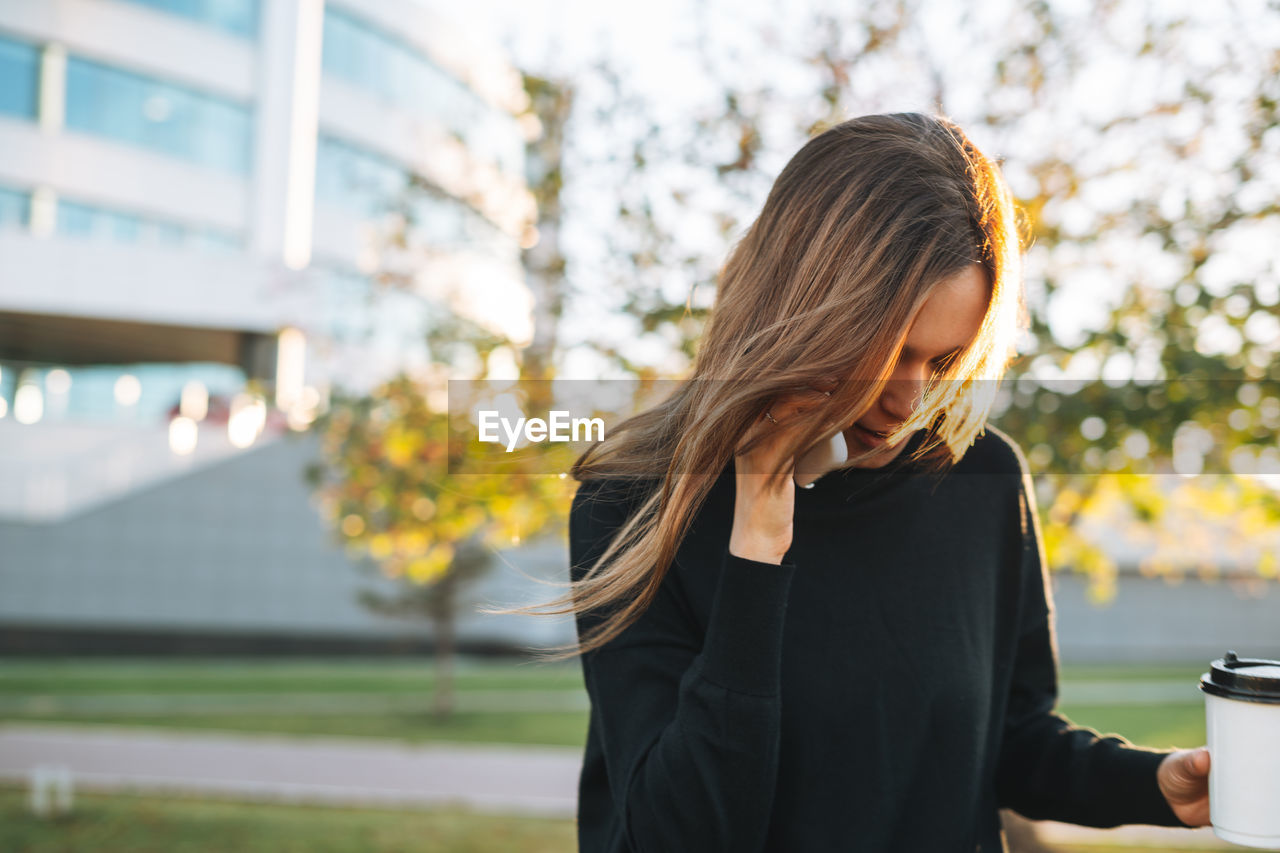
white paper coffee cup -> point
(1242, 724)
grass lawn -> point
(567, 729)
(1156, 726)
(392, 698)
(160, 676)
(1188, 673)
(139, 824)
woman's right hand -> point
(763, 511)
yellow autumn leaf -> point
(1066, 503)
(430, 567)
(1268, 564)
(1253, 521)
(400, 447)
(414, 542)
(380, 546)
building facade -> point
(202, 204)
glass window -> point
(362, 183)
(367, 186)
(234, 16)
(91, 397)
(170, 119)
(15, 209)
(165, 234)
(366, 57)
(212, 240)
(86, 221)
(19, 78)
(386, 323)
(345, 296)
(80, 220)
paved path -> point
(501, 779)
(508, 778)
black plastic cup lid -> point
(1247, 679)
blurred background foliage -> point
(1140, 140)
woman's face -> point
(947, 322)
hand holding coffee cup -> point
(1184, 780)
(1242, 722)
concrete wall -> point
(1151, 619)
(233, 548)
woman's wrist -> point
(754, 548)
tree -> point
(403, 477)
(389, 482)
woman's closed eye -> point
(940, 363)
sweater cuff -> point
(743, 646)
(1132, 780)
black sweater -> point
(888, 687)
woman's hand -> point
(763, 511)
(1184, 780)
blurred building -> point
(197, 198)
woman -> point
(869, 663)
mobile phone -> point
(819, 459)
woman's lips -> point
(867, 437)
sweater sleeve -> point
(688, 723)
(1049, 768)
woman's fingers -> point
(789, 406)
(785, 412)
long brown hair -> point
(860, 226)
